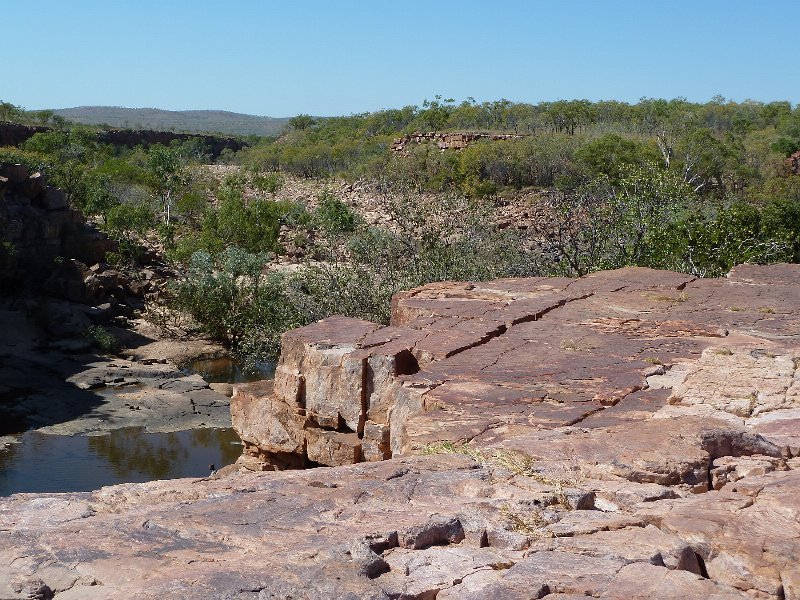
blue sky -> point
(345, 56)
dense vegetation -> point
(665, 184)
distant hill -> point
(193, 121)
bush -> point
(234, 302)
(269, 183)
(334, 216)
(446, 238)
(128, 224)
(711, 240)
(102, 339)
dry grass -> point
(767, 310)
(575, 346)
(753, 399)
(517, 463)
(453, 448)
(682, 297)
(529, 523)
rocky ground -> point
(63, 386)
(632, 434)
(374, 204)
(57, 295)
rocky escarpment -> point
(37, 228)
(50, 256)
(146, 137)
(630, 434)
(13, 134)
(448, 141)
(51, 302)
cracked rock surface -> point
(629, 434)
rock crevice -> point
(643, 442)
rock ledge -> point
(630, 434)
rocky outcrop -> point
(146, 137)
(630, 434)
(54, 383)
(793, 164)
(13, 134)
(328, 404)
(38, 229)
(49, 249)
(503, 361)
(449, 141)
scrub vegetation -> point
(691, 187)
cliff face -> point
(449, 141)
(37, 226)
(13, 134)
(793, 164)
(136, 137)
(630, 434)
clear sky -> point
(333, 57)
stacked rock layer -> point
(629, 434)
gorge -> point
(628, 434)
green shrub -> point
(128, 224)
(334, 216)
(102, 339)
(438, 239)
(269, 183)
(710, 240)
(234, 302)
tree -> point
(604, 226)
(789, 131)
(667, 121)
(67, 156)
(703, 159)
(59, 122)
(566, 116)
(436, 112)
(167, 176)
(43, 116)
(302, 122)
(9, 111)
(609, 154)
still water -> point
(227, 370)
(57, 463)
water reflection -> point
(6, 457)
(129, 452)
(227, 370)
(53, 463)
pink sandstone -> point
(629, 434)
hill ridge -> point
(158, 119)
